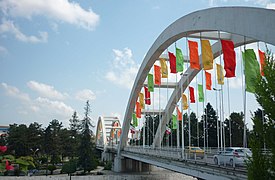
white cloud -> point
(15, 93)
(8, 26)
(45, 90)
(59, 10)
(124, 69)
(85, 94)
(270, 6)
(54, 107)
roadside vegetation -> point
(29, 149)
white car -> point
(232, 156)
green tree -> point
(237, 128)
(210, 125)
(87, 158)
(52, 140)
(18, 143)
(265, 93)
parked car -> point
(232, 155)
(192, 151)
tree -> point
(87, 157)
(17, 141)
(74, 130)
(210, 118)
(52, 140)
(237, 127)
(260, 165)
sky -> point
(57, 54)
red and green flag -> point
(229, 57)
(150, 79)
(179, 60)
(172, 60)
(251, 69)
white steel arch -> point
(105, 126)
(255, 24)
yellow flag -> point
(141, 100)
(184, 102)
(207, 55)
(164, 70)
(220, 74)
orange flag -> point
(220, 75)
(138, 110)
(179, 114)
(208, 80)
(184, 102)
(207, 55)
(164, 70)
(141, 100)
(157, 75)
(262, 59)
(194, 55)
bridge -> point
(145, 137)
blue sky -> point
(56, 54)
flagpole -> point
(221, 99)
(160, 137)
(178, 133)
(244, 89)
(198, 140)
(218, 139)
(228, 96)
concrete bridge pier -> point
(107, 156)
(124, 164)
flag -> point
(207, 55)
(168, 130)
(8, 166)
(201, 95)
(118, 133)
(220, 75)
(157, 75)
(3, 149)
(135, 121)
(174, 122)
(138, 110)
(147, 96)
(179, 114)
(251, 69)
(179, 59)
(172, 60)
(164, 70)
(208, 80)
(262, 61)
(229, 57)
(132, 129)
(150, 83)
(194, 55)
(141, 100)
(184, 102)
(191, 93)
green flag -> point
(179, 60)
(135, 121)
(201, 95)
(174, 122)
(251, 69)
(150, 83)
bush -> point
(51, 168)
(69, 167)
(108, 165)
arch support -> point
(256, 24)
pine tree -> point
(87, 158)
